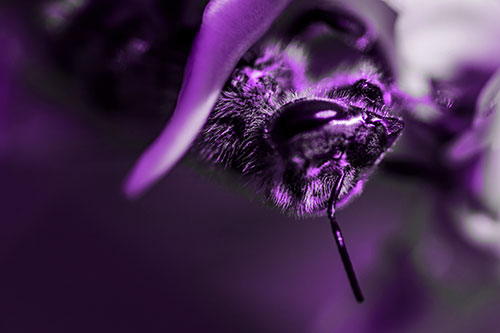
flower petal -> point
(229, 28)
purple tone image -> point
(185, 166)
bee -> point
(293, 139)
(307, 142)
(305, 111)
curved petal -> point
(485, 130)
(228, 30)
(488, 116)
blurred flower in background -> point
(86, 85)
(448, 53)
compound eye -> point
(305, 116)
(369, 91)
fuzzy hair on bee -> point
(292, 136)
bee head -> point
(313, 129)
(319, 140)
(298, 113)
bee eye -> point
(304, 116)
(369, 91)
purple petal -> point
(485, 131)
(228, 30)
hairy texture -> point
(255, 131)
(133, 64)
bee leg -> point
(339, 239)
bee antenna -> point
(339, 239)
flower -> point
(449, 50)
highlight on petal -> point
(229, 28)
(483, 230)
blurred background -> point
(85, 86)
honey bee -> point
(303, 118)
(307, 142)
(294, 143)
